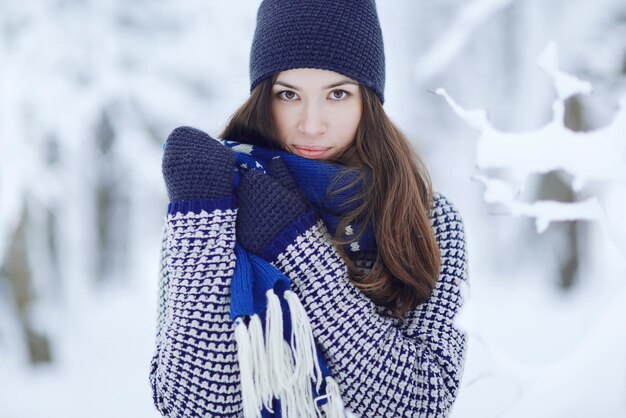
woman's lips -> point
(310, 151)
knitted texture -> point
(313, 179)
(194, 371)
(341, 36)
(190, 156)
(292, 379)
(384, 367)
(279, 171)
(265, 209)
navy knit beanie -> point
(339, 35)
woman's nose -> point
(312, 120)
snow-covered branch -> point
(597, 156)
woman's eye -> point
(287, 95)
(339, 94)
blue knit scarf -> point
(283, 372)
(314, 178)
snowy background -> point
(518, 107)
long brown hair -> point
(396, 199)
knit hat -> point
(337, 35)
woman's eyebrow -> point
(330, 86)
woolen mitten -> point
(196, 166)
(279, 172)
(266, 208)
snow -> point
(593, 156)
(487, 90)
(588, 377)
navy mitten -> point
(279, 172)
(268, 205)
(196, 166)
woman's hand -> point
(196, 166)
(268, 204)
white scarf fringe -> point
(264, 391)
(278, 353)
(303, 342)
(270, 367)
(244, 354)
(334, 405)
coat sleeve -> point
(385, 368)
(163, 286)
(194, 370)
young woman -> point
(312, 210)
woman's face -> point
(316, 112)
